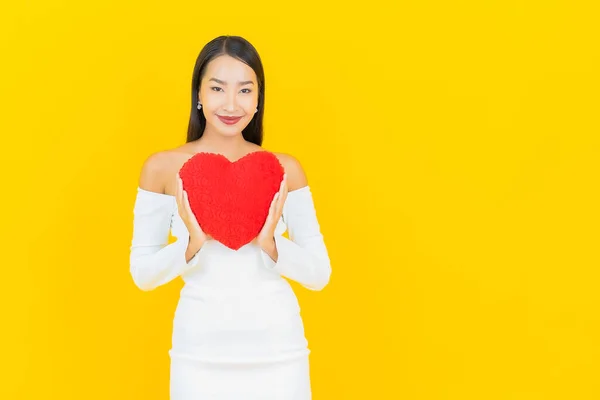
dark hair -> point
(240, 48)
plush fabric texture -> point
(231, 199)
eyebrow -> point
(225, 83)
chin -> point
(229, 131)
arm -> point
(304, 257)
(153, 262)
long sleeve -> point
(153, 262)
(304, 257)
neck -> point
(216, 142)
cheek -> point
(249, 105)
(211, 100)
(212, 103)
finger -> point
(281, 187)
(177, 189)
(282, 196)
(186, 201)
(273, 207)
(188, 208)
(178, 193)
(280, 205)
(284, 186)
(278, 210)
(283, 182)
(181, 198)
(284, 191)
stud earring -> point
(199, 105)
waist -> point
(199, 288)
(220, 269)
(219, 309)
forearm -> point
(156, 265)
(303, 257)
(153, 261)
(309, 265)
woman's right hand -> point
(186, 214)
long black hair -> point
(240, 48)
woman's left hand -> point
(266, 237)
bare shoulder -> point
(152, 175)
(296, 176)
(159, 170)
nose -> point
(230, 102)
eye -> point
(248, 90)
(215, 87)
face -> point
(228, 89)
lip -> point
(229, 120)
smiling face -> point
(229, 95)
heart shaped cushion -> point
(231, 200)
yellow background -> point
(453, 152)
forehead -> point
(229, 69)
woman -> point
(237, 330)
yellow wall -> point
(453, 152)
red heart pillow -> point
(231, 199)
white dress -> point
(237, 329)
